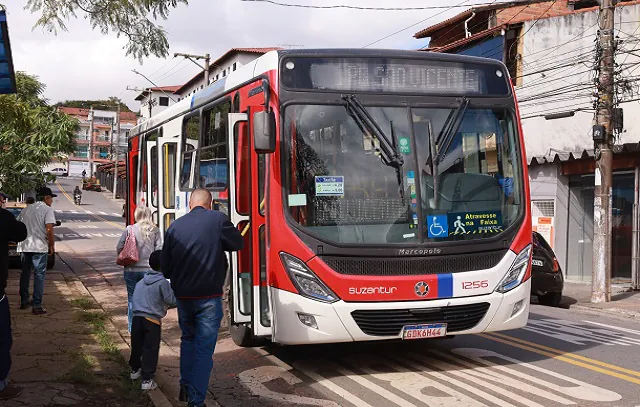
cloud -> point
(85, 64)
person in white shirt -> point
(39, 219)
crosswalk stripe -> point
(627, 330)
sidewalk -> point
(67, 357)
(623, 301)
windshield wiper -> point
(445, 138)
(390, 155)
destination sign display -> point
(382, 75)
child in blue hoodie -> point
(152, 297)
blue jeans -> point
(131, 278)
(37, 261)
(6, 340)
(199, 321)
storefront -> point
(562, 194)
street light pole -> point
(115, 165)
(601, 280)
(193, 58)
(91, 142)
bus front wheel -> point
(242, 336)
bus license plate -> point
(424, 331)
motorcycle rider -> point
(77, 194)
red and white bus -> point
(382, 194)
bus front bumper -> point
(337, 322)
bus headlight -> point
(307, 283)
(516, 272)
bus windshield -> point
(459, 180)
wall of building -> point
(156, 108)
(558, 55)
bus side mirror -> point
(264, 132)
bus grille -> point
(402, 266)
(390, 322)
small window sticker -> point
(405, 145)
(297, 199)
(330, 185)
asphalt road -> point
(563, 357)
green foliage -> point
(31, 134)
(110, 104)
(133, 19)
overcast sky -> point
(85, 64)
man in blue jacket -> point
(193, 259)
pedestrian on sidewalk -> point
(193, 258)
(39, 219)
(151, 299)
(10, 231)
(148, 240)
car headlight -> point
(307, 283)
(516, 272)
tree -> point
(133, 19)
(111, 103)
(31, 134)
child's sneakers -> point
(135, 374)
(149, 385)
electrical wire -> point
(413, 25)
(344, 6)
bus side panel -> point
(132, 174)
(524, 236)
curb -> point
(611, 311)
(157, 397)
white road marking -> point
(116, 214)
(255, 379)
(412, 383)
(488, 374)
(74, 212)
(88, 212)
(103, 213)
(574, 333)
(627, 330)
(415, 376)
(309, 369)
(57, 210)
(583, 390)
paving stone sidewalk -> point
(66, 357)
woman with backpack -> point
(136, 244)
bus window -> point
(169, 175)
(190, 134)
(213, 154)
(168, 219)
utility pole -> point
(603, 138)
(193, 58)
(91, 142)
(115, 165)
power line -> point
(413, 25)
(344, 6)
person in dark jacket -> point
(193, 259)
(10, 231)
(151, 299)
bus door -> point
(239, 213)
(168, 175)
(249, 282)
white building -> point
(155, 100)
(220, 68)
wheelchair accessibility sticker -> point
(437, 226)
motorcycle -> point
(77, 199)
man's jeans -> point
(131, 278)
(37, 261)
(199, 322)
(6, 341)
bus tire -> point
(242, 336)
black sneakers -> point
(39, 311)
(10, 391)
(184, 395)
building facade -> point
(550, 51)
(105, 141)
(220, 68)
(155, 100)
